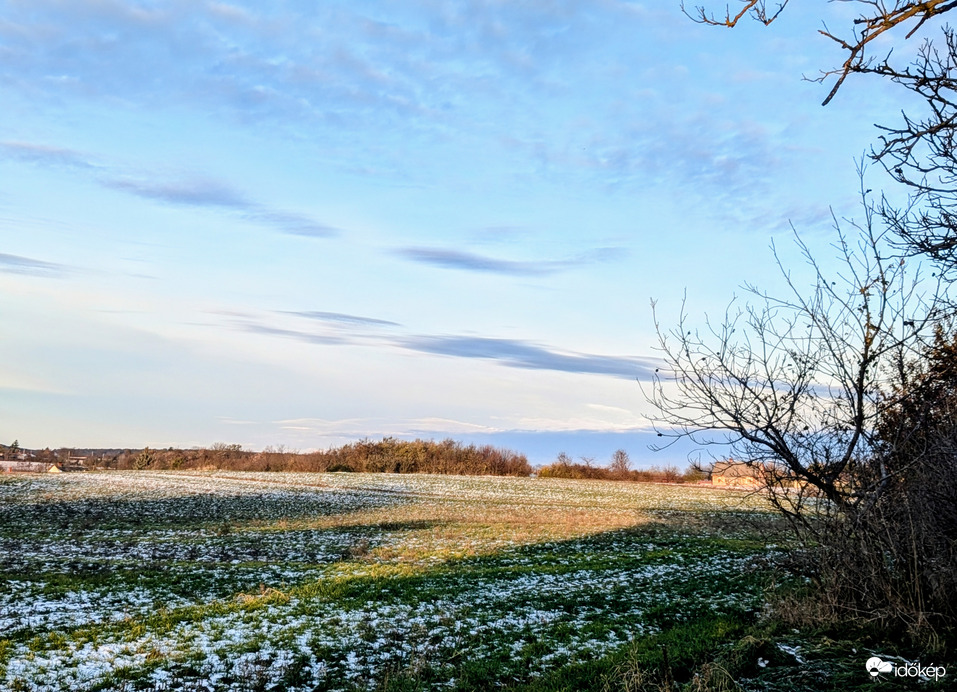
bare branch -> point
(876, 19)
(756, 8)
(796, 381)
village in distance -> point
(388, 455)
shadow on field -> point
(766, 525)
(657, 576)
(691, 645)
(188, 511)
(679, 590)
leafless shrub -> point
(816, 392)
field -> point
(257, 581)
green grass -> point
(361, 581)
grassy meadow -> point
(341, 581)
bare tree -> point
(620, 464)
(876, 18)
(918, 152)
(797, 383)
(841, 396)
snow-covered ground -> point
(236, 581)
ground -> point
(258, 581)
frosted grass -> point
(332, 581)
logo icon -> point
(876, 666)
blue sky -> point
(302, 223)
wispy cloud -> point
(375, 427)
(470, 261)
(14, 264)
(313, 327)
(291, 223)
(513, 353)
(707, 151)
(523, 354)
(342, 318)
(45, 155)
(418, 68)
(309, 337)
(197, 191)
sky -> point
(305, 223)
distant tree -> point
(144, 459)
(620, 463)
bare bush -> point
(810, 390)
(857, 420)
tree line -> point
(388, 455)
(619, 469)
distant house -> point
(28, 467)
(736, 474)
(70, 466)
(14, 453)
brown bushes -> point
(887, 558)
(427, 456)
(617, 470)
(893, 560)
(896, 563)
(388, 455)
